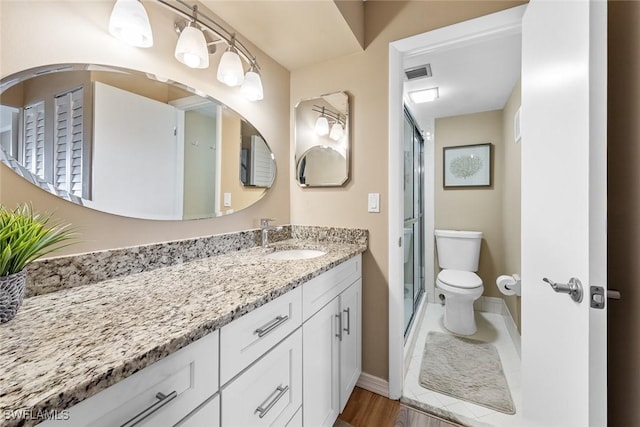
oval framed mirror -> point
(131, 143)
(322, 141)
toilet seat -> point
(460, 279)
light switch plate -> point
(227, 199)
(373, 204)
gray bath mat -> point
(465, 369)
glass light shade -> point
(129, 22)
(191, 49)
(230, 71)
(252, 86)
(336, 132)
(322, 126)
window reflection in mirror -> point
(322, 141)
(120, 142)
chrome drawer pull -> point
(163, 399)
(339, 319)
(348, 328)
(264, 330)
(262, 410)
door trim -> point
(497, 24)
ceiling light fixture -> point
(191, 48)
(129, 22)
(425, 95)
(198, 39)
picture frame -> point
(467, 166)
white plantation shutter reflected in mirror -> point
(68, 142)
(262, 166)
(33, 149)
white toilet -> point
(458, 256)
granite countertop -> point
(66, 346)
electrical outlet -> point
(227, 199)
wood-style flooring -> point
(367, 409)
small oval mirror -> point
(131, 143)
(322, 141)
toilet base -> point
(459, 316)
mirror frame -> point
(347, 135)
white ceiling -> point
(470, 79)
(294, 33)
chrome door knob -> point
(573, 288)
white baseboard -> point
(512, 328)
(373, 384)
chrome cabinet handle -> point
(264, 330)
(573, 288)
(262, 410)
(348, 328)
(163, 399)
(339, 319)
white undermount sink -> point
(293, 254)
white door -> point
(350, 343)
(564, 67)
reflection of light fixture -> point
(230, 71)
(337, 132)
(191, 48)
(426, 95)
(198, 39)
(252, 86)
(322, 124)
(337, 121)
(129, 22)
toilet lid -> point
(460, 279)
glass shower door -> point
(413, 219)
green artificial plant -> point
(26, 235)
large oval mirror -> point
(322, 141)
(129, 143)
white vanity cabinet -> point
(161, 394)
(331, 342)
(291, 362)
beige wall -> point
(76, 31)
(478, 209)
(365, 77)
(624, 212)
(511, 212)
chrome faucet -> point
(265, 228)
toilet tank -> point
(458, 250)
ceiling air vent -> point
(418, 72)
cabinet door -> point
(208, 414)
(350, 346)
(321, 371)
(268, 393)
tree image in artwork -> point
(465, 166)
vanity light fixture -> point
(322, 124)
(129, 22)
(425, 95)
(252, 86)
(191, 48)
(337, 131)
(230, 71)
(198, 39)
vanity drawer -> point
(245, 339)
(186, 378)
(270, 392)
(317, 292)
